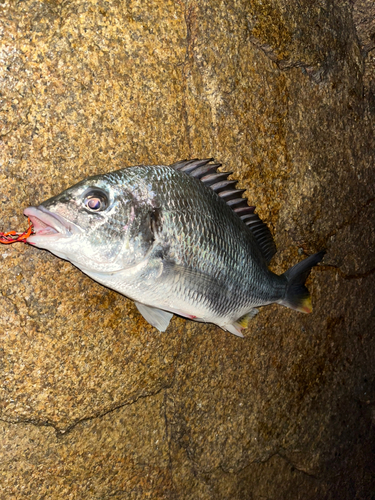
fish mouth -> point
(46, 224)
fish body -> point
(176, 239)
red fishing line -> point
(13, 237)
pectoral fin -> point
(156, 317)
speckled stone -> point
(100, 458)
(94, 402)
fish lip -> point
(48, 224)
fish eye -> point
(96, 201)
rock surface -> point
(95, 403)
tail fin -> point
(297, 295)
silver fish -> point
(176, 239)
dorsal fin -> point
(218, 181)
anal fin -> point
(242, 323)
(156, 317)
(234, 328)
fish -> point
(176, 239)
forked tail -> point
(297, 295)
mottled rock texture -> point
(95, 403)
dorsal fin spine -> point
(218, 182)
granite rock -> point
(94, 402)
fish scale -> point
(226, 248)
(176, 239)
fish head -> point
(93, 224)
